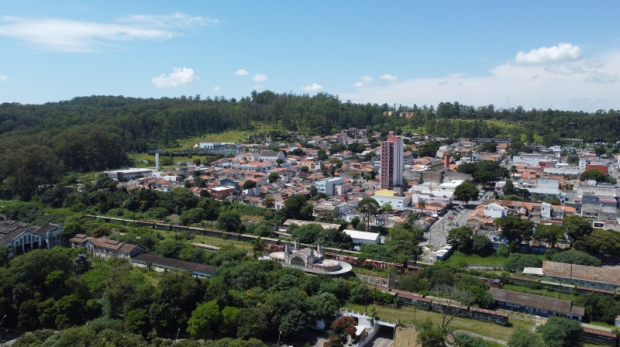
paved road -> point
(438, 231)
(383, 338)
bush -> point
(550, 253)
(517, 261)
(576, 257)
(503, 251)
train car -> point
(341, 257)
(208, 248)
(491, 282)
(488, 315)
(231, 235)
(594, 335)
(333, 250)
(522, 281)
(271, 241)
(273, 247)
(162, 226)
(584, 290)
(351, 253)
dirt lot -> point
(405, 337)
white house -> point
(268, 155)
(495, 211)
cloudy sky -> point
(551, 54)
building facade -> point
(327, 186)
(392, 162)
(23, 237)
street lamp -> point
(279, 339)
(1, 329)
(177, 339)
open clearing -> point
(410, 314)
(405, 337)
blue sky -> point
(551, 54)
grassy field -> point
(542, 292)
(213, 241)
(405, 337)
(409, 314)
(474, 259)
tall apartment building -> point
(392, 162)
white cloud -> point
(259, 77)
(564, 69)
(545, 55)
(64, 35)
(602, 77)
(216, 89)
(510, 85)
(389, 77)
(178, 77)
(312, 88)
(241, 72)
(177, 19)
(364, 81)
(3, 78)
(257, 87)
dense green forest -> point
(41, 142)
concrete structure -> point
(158, 264)
(268, 155)
(327, 186)
(128, 174)
(105, 248)
(157, 168)
(363, 237)
(389, 197)
(536, 304)
(23, 237)
(495, 211)
(392, 162)
(221, 192)
(209, 145)
(308, 259)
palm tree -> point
(513, 170)
(422, 205)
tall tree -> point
(515, 230)
(369, 207)
(466, 192)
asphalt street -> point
(383, 338)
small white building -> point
(268, 155)
(326, 186)
(363, 237)
(397, 202)
(209, 145)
